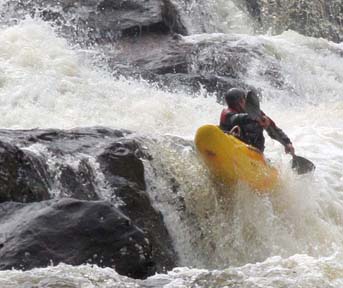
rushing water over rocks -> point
(150, 82)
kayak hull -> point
(231, 160)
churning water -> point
(290, 238)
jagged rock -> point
(22, 176)
(216, 63)
(79, 184)
(72, 232)
(90, 164)
(312, 18)
(125, 173)
(101, 21)
(122, 160)
(173, 18)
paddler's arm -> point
(276, 133)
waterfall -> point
(291, 235)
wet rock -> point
(73, 232)
(50, 163)
(79, 183)
(193, 83)
(172, 17)
(101, 21)
(121, 163)
(216, 63)
(22, 176)
(90, 164)
(311, 18)
(121, 159)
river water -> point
(292, 237)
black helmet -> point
(234, 95)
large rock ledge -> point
(85, 165)
(101, 21)
(73, 232)
(215, 62)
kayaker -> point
(235, 120)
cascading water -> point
(292, 237)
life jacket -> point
(223, 117)
(251, 131)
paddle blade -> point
(252, 105)
(302, 165)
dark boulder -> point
(78, 183)
(22, 176)
(73, 232)
(216, 63)
(124, 171)
(61, 166)
(101, 21)
(90, 164)
(122, 159)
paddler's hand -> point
(289, 149)
(264, 122)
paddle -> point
(300, 164)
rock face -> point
(101, 21)
(312, 18)
(121, 166)
(78, 183)
(73, 232)
(216, 63)
(87, 164)
(22, 176)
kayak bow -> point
(231, 160)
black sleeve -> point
(277, 134)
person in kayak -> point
(235, 120)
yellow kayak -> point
(231, 160)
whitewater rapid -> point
(291, 238)
(47, 84)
